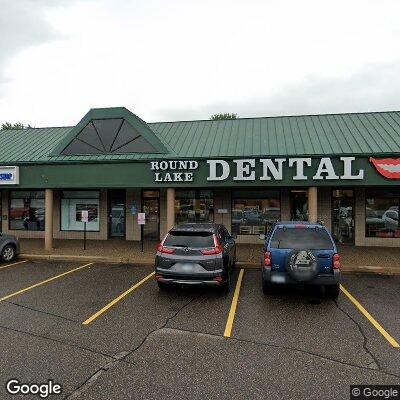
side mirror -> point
(261, 236)
(234, 236)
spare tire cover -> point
(302, 265)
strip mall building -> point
(343, 169)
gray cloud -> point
(22, 25)
(373, 88)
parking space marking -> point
(16, 263)
(116, 300)
(232, 311)
(44, 282)
(370, 318)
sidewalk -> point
(382, 260)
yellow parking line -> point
(44, 282)
(116, 300)
(10, 265)
(370, 318)
(232, 311)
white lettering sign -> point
(141, 218)
(84, 216)
(245, 169)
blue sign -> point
(6, 176)
(134, 209)
(9, 175)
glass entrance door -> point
(116, 213)
(151, 207)
(343, 216)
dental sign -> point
(9, 175)
(245, 169)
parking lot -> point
(107, 332)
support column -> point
(48, 230)
(170, 208)
(312, 204)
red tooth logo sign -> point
(387, 167)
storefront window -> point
(72, 205)
(299, 205)
(254, 211)
(27, 210)
(382, 213)
(194, 206)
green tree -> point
(9, 126)
(219, 117)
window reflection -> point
(382, 213)
(27, 210)
(254, 211)
(194, 206)
(299, 205)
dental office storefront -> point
(343, 170)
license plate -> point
(187, 267)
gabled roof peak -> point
(112, 130)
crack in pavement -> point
(375, 361)
(326, 358)
(42, 312)
(120, 357)
(70, 344)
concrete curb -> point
(99, 259)
(369, 269)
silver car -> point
(9, 248)
(196, 254)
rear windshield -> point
(195, 240)
(301, 238)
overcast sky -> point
(178, 60)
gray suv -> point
(196, 254)
(9, 248)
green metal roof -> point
(314, 135)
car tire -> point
(8, 253)
(162, 286)
(332, 291)
(266, 287)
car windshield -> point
(301, 238)
(195, 240)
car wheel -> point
(266, 287)
(8, 253)
(332, 291)
(163, 286)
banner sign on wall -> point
(9, 175)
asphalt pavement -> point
(106, 332)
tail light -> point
(219, 279)
(300, 226)
(216, 250)
(163, 249)
(336, 261)
(267, 259)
